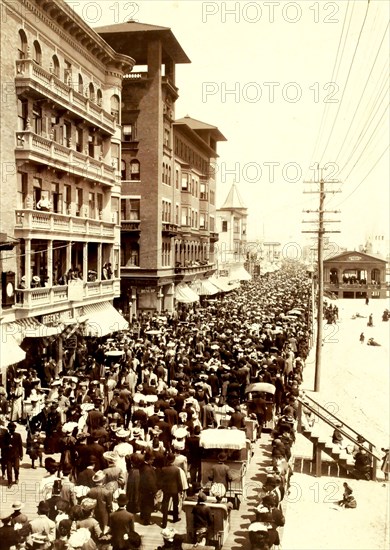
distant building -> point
(232, 245)
(355, 275)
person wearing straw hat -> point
(42, 525)
(88, 506)
(104, 499)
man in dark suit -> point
(12, 451)
(147, 488)
(171, 486)
(121, 524)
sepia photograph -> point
(195, 275)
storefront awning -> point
(185, 294)
(30, 328)
(225, 284)
(10, 352)
(239, 273)
(103, 319)
(206, 288)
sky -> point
(291, 85)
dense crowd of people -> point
(124, 419)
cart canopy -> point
(261, 386)
(223, 439)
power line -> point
(325, 110)
(362, 94)
(346, 82)
(365, 177)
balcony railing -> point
(40, 149)
(29, 75)
(357, 285)
(34, 220)
(169, 229)
(34, 298)
(131, 226)
(193, 269)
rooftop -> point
(134, 37)
(233, 200)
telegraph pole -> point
(320, 231)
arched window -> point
(135, 170)
(123, 170)
(37, 53)
(22, 44)
(80, 84)
(99, 97)
(91, 92)
(55, 66)
(115, 107)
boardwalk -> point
(28, 492)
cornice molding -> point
(60, 17)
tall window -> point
(203, 191)
(37, 191)
(37, 118)
(135, 205)
(135, 170)
(37, 52)
(115, 103)
(80, 84)
(55, 66)
(224, 226)
(56, 200)
(22, 44)
(202, 221)
(91, 205)
(184, 182)
(115, 155)
(22, 190)
(99, 97)
(123, 170)
(99, 198)
(79, 140)
(79, 202)
(128, 132)
(22, 114)
(67, 199)
(91, 92)
(67, 72)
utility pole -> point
(320, 231)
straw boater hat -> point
(110, 456)
(122, 433)
(98, 477)
(17, 505)
(88, 503)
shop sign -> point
(354, 258)
(147, 291)
(52, 319)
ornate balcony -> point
(31, 147)
(30, 222)
(193, 269)
(44, 84)
(131, 226)
(169, 229)
(51, 297)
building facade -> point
(60, 157)
(232, 245)
(355, 275)
(168, 183)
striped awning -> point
(102, 319)
(185, 294)
(225, 284)
(204, 287)
(10, 352)
(30, 328)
